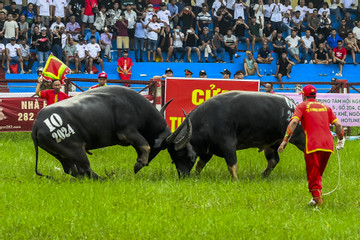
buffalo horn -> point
(163, 108)
(184, 140)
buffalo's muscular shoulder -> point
(239, 120)
(99, 118)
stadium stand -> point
(145, 70)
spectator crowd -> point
(172, 31)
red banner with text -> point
(18, 114)
(188, 93)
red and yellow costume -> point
(52, 97)
(316, 119)
(124, 64)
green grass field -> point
(155, 204)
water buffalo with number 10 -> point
(239, 120)
(102, 117)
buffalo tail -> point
(37, 155)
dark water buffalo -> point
(104, 117)
(239, 120)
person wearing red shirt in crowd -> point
(339, 56)
(88, 14)
(51, 95)
(102, 77)
(124, 67)
(316, 119)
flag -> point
(55, 69)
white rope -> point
(338, 184)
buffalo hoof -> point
(183, 174)
(138, 166)
(266, 173)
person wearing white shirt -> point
(297, 22)
(216, 5)
(81, 50)
(13, 55)
(293, 42)
(286, 11)
(130, 16)
(348, 6)
(302, 8)
(164, 15)
(178, 38)
(239, 9)
(93, 52)
(310, 10)
(10, 29)
(44, 10)
(59, 8)
(325, 8)
(153, 30)
(259, 9)
(276, 16)
(356, 31)
(150, 12)
(286, 8)
(58, 24)
(267, 11)
(286, 20)
(308, 46)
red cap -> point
(102, 75)
(309, 91)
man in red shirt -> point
(339, 56)
(124, 67)
(51, 95)
(316, 119)
(102, 77)
(88, 14)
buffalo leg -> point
(142, 149)
(84, 169)
(68, 166)
(233, 169)
(272, 158)
(203, 160)
(231, 160)
(82, 164)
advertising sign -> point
(18, 114)
(345, 106)
(188, 93)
